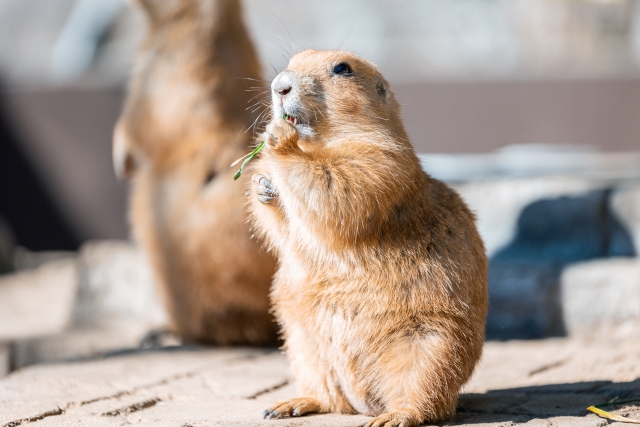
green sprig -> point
(246, 158)
(250, 156)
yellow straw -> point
(611, 416)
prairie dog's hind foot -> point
(294, 408)
(161, 337)
(394, 419)
(265, 191)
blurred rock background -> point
(528, 107)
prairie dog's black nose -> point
(282, 84)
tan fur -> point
(381, 289)
(181, 128)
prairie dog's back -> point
(181, 127)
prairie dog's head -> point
(333, 91)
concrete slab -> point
(535, 383)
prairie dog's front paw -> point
(265, 191)
(281, 134)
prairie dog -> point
(381, 289)
(181, 128)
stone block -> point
(25, 259)
(602, 298)
(74, 306)
(501, 204)
(533, 228)
(113, 306)
(5, 359)
(568, 229)
(116, 287)
(37, 302)
(625, 203)
(532, 160)
(76, 344)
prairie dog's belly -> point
(312, 350)
(322, 340)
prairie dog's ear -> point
(158, 10)
(125, 162)
(381, 88)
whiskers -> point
(260, 104)
(261, 120)
(344, 39)
(285, 44)
(293, 45)
(285, 54)
(254, 80)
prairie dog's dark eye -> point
(343, 69)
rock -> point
(114, 305)
(533, 228)
(602, 298)
(625, 203)
(5, 359)
(100, 301)
(567, 229)
(499, 204)
(75, 344)
(38, 302)
(25, 259)
(116, 288)
(519, 161)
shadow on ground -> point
(523, 404)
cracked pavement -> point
(532, 383)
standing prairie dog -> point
(181, 127)
(381, 289)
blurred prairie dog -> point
(381, 289)
(181, 128)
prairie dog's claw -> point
(265, 190)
